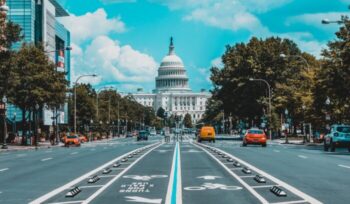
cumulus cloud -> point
(314, 20)
(91, 25)
(114, 63)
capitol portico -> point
(172, 91)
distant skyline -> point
(123, 41)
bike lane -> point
(146, 182)
(205, 181)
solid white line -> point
(344, 166)
(93, 186)
(99, 191)
(290, 188)
(265, 186)
(68, 202)
(249, 188)
(171, 179)
(179, 178)
(81, 178)
(247, 176)
(46, 159)
(291, 202)
(5, 169)
(302, 156)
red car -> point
(254, 136)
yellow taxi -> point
(206, 133)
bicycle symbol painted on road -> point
(213, 186)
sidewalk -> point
(41, 145)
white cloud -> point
(217, 62)
(114, 63)
(205, 73)
(314, 20)
(91, 25)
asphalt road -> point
(175, 172)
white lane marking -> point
(247, 176)
(93, 186)
(99, 191)
(275, 150)
(302, 156)
(46, 159)
(344, 166)
(137, 199)
(74, 153)
(49, 151)
(275, 180)
(208, 177)
(21, 155)
(107, 176)
(68, 202)
(178, 191)
(5, 169)
(81, 178)
(250, 189)
(265, 186)
(291, 202)
(234, 169)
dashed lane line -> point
(264, 186)
(58, 190)
(307, 198)
(74, 153)
(46, 159)
(92, 186)
(68, 202)
(275, 150)
(109, 183)
(302, 156)
(344, 166)
(5, 169)
(247, 176)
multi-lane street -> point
(153, 171)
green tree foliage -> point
(333, 78)
(261, 59)
(161, 112)
(188, 121)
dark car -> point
(143, 135)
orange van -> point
(206, 133)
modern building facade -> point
(39, 22)
(172, 91)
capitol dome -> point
(172, 76)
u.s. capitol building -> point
(172, 91)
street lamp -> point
(326, 21)
(4, 101)
(36, 125)
(270, 110)
(328, 116)
(75, 98)
(282, 55)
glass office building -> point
(38, 20)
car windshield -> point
(344, 129)
(72, 137)
(143, 133)
(255, 132)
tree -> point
(247, 100)
(161, 112)
(38, 82)
(333, 78)
(188, 121)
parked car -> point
(143, 135)
(153, 133)
(339, 136)
(72, 140)
(206, 133)
(254, 136)
(83, 138)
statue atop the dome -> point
(171, 47)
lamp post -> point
(36, 125)
(270, 109)
(14, 123)
(287, 127)
(328, 115)
(282, 55)
(304, 129)
(3, 113)
(75, 99)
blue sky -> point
(123, 41)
